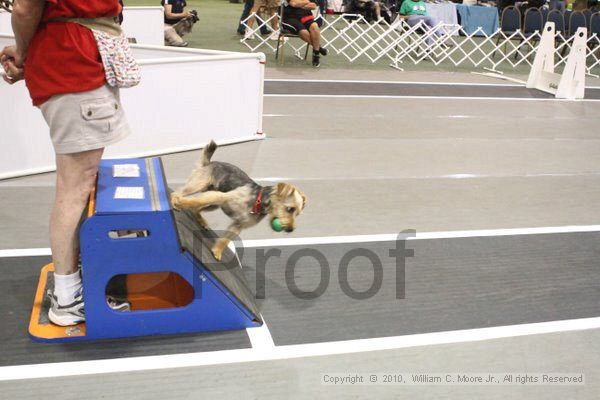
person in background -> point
(534, 3)
(298, 18)
(175, 16)
(272, 8)
(502, 4)
(373, 5)
(415, 11)
(241, 30)
(559, 5)
(322, 6)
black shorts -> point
(297, 24)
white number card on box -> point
(129, 192)
(126, 171)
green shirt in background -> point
(410, 7)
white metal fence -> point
(353, 37)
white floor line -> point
(424, 177)
(391, 82)
(260, 337)
(386, 237)
(419, 236)
(342, 96)
(53, 370)
(25, 252)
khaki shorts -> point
(86, 120)
(268, 3)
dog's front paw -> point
(176, 202)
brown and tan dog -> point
(215, 185)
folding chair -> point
(545, 13)
(534, 22)
(588, 16)
(567, 17)
(559, 27)
(576, 20)
(595, 29)
(285, 33)
(532, 28)
(559, 21)
(510, 22)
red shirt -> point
(63, 57)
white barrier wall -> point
(145, 24)
(5, 26)
(186, 98)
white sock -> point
(66, 287)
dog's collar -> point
(257, 207)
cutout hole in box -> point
(151, 291)
(128, 233)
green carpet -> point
(217, 30)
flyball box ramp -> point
(134, 246)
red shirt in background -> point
(63, 57)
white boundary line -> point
(25, 252)
(386, 237)
(389, 82)
(419, 236)
(335, 96)
(409, 82)
(418, 177)
(79, 368)
(260, 337)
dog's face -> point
(194, 16)
(287, 202)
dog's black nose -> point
(289, 229)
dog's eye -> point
(291, 209)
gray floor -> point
(410, 89)
(372, 166)
(301, 378)
(448, 285)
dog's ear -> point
(303, 199)
(284, 190)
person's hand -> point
(12, 73)
(12, 63)
(12, 53)
(187, 14)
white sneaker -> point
(118, 304)
(248, 35)
(274, 36)
(68, 315)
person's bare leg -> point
(377, 10)
(75, 178)
(274, 21)
(304, 35)
(253, 14)
(315, 36)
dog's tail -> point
(207, 153)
